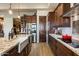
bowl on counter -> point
(66, 38)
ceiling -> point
(28, 6)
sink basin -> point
(74, 45)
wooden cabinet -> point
(30, 19)
(62, 8)
(51, 21)
(33, 19)
(62, 50)
(12, 52)
(66, 22)
(42, 28)
(29, 45)
(51, 16)
(66, 7)
(27, 49)
(55, 18)
(25, 52)
(59, 49)
(1, 27)
(59, 11)
(52, 44)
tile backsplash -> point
(66, 30)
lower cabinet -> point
(25, 52)
(59, 49)
(12, 52)
(52, 43)
(62, 50)
(29, 45)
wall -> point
(65, 30)
(41, 13)
(8, 23)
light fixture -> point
(18, 16)
(10, 10)
(18, 13)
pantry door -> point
(42, 28)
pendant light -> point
(18, 13)
(10, 10)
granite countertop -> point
(6, 45)
(75, 50)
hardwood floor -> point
(41, 49)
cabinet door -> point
(74, 54)
(54, 47)
(49, 41)
(42, 28)
(33, 19)
(28, 19)
(51, 20)
(66, 7)
(52, 44)
(60, 10)
(12, 52)
(62, 50)
(66, 22)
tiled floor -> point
(41, 49)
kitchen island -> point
(17, 46)
(61, 48)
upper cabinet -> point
(73, 9)
(33, 19)
(62, 8)
(59, 10)
(51, 20)
(51, 16)
(66, 7)
(56, 19)
(30, 19)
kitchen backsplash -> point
(65, 30)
